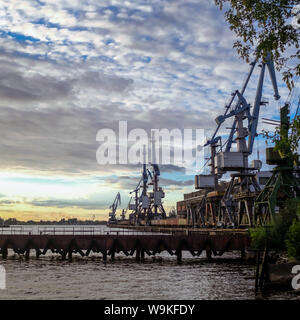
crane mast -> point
(237, 203)
(113, 207)
(148, 204)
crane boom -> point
(258, 99)
(252, 66)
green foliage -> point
(276, 233)
(295, 133)
(293, 240)
(286, 138)
(258, 237)
(265, 26)
(282, 223)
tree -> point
(293, 240)
(283, 232)
(286, 137)
(267, 26)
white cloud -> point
(70, 68)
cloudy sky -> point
(70, 68)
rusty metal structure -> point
(239, 202)
(284, 183)
(126, 242)
(113, 207)
(147, 204)
(231, 204)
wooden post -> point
(70, 255)
(208, 253)
(112, 256)
(243, 254)
(264, 275)
(179, 256)
(104, 256)
(257, 270)
(27, 254)
(4, 253)
(63, 254)
(138, 254)
(142, 255)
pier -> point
(68, 240)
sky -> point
(70, 68)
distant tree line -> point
(73, 221)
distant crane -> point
(113, 207)
(156, 209)
(141, 201)
(148, 205)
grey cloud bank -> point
(70, 68)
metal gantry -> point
(147, 205)
(234, 206)
(284, 183)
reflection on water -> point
(157, 278)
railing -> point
(69, 230)
(16, 230)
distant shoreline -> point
(62, 222)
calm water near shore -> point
(157, 278)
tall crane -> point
(156, 207)
(237, 204)
(113, 207)
(148, 204)
(141, 199)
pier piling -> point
(138, 255)
(208, 254)
(112, 255)
(104, 256)
(27, 254)
(4, 253)
(142, 255)
(179, 256)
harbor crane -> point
(141, 199)
(148, 205)
(156, 210)
(236, 205)
(112, 214)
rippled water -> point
(157, 278)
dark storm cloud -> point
(130, 182)
(17, 86)
(56, 93)
(171, 168)
(112, 83)
(172, 182)
(123, 182)
(50, 139)
(64, 139)
(20, 83)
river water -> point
(125, 279)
